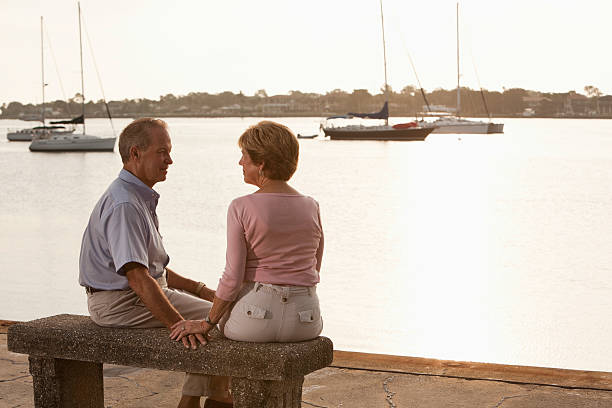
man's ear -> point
(134, 152)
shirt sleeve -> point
(126, 233)
(319, 254)
(235, 256)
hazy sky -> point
(152, 48)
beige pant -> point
(272, 313)
(268, 313)
(123, 308)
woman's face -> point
(250, 170)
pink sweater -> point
(272, 238)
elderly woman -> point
(274, 248)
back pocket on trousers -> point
(307, 316)
(254, 312)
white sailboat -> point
(457, 124)
(26, 135)
(73, 142)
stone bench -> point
(67, 353)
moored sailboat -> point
(49, 142)
(458, 125)
(400, 132)
(26, 135)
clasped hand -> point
(189, 330)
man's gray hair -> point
(137, 134)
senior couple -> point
(267, 292)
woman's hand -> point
(207, 294)
(184, 328)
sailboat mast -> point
(458, 74)
(382, 21)
(42, 69)
(82, 82)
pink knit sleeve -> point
(319, 254)
(235, 256)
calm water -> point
(491, 248)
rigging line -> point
(484, 100)
(382, 22)
(59, 78)
(414, 71)
(93, 57)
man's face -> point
(152, 163)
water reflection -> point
(488, 248)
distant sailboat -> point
(456, 124)
(26, 135)
(74, 142)
(405, 132)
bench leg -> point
(62, 383)
(267, 394)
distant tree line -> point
(407, 102)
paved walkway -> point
(331, 387)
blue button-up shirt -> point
(123, 228)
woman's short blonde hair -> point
(138, 134)
(275, 146)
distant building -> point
(576, 104)
(274, 107)
(439, 108)
(605, 105)
(580, 105)
(533, 100)
(528, 112)
(229, 110)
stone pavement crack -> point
(14, 362)
(14, 379)
(389, 394)
(152, 393)
(313, 405)
(505, 398)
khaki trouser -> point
(268, 313)
(123, 308)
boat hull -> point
(472, 128)
(409, 134)
(19, 137)
(28, 136)
(73, 145)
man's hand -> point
(155, 300)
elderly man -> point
(123, 264)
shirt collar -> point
(144, 191)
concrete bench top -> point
(73, 337)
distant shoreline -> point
(296, 115)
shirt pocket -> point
(254, 311)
